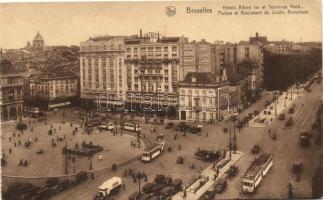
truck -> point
(256, 172)
(109, 187)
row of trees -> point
(283, 70)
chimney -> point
(257, 34)
(158, 36)
(140, 33)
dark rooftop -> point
(6, 68)
(200, 78)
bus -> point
(152, 153)
(131, 127)
(255, 173)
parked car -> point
(169, 125)
(255, 149)
(305, 139)
(221, 185)
(281, 116)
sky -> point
(71, 23)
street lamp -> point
(234, 135)
(218, 102)
(275, 105)
(139, 176)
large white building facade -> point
(102, 68)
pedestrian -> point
(9, 139)
(124, 186)
(9, 150)
(36, 139)
(15, 144)
(18, 135)
(14, 134)
(19, 142)
(179, 147)
(175, 137)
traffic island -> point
(208, 177)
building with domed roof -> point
(38, 42)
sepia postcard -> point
(161, 100)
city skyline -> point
(76, 22)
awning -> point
(118, 103)
(59, 104)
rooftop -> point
(202, 78)
(6, 68)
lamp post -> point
(65, 157)
(218, 96)
(275, 105)
(234, 135)
(285, 100)
(139, 176)
(230, 143)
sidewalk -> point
(208, 176)
(280, 107)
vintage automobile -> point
(255, 149)
(169, 125)
(281, 116)
(232, 171)
(208, 155)
(305, 139)
(221, 185)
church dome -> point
(38, 37)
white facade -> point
(102, 67)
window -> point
(166, 71)
(143, 49)
(166, 88)
(182, 92)
(174, 49)
(128, 50)
(204, 116)
(189, 114)
(247, 52)
(135, 50)
(166, 79)
(150, 49)
(165, 49)
(158, 49)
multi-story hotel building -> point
(102, 67)
(154, 67)
(205, 96)
(11, 94)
